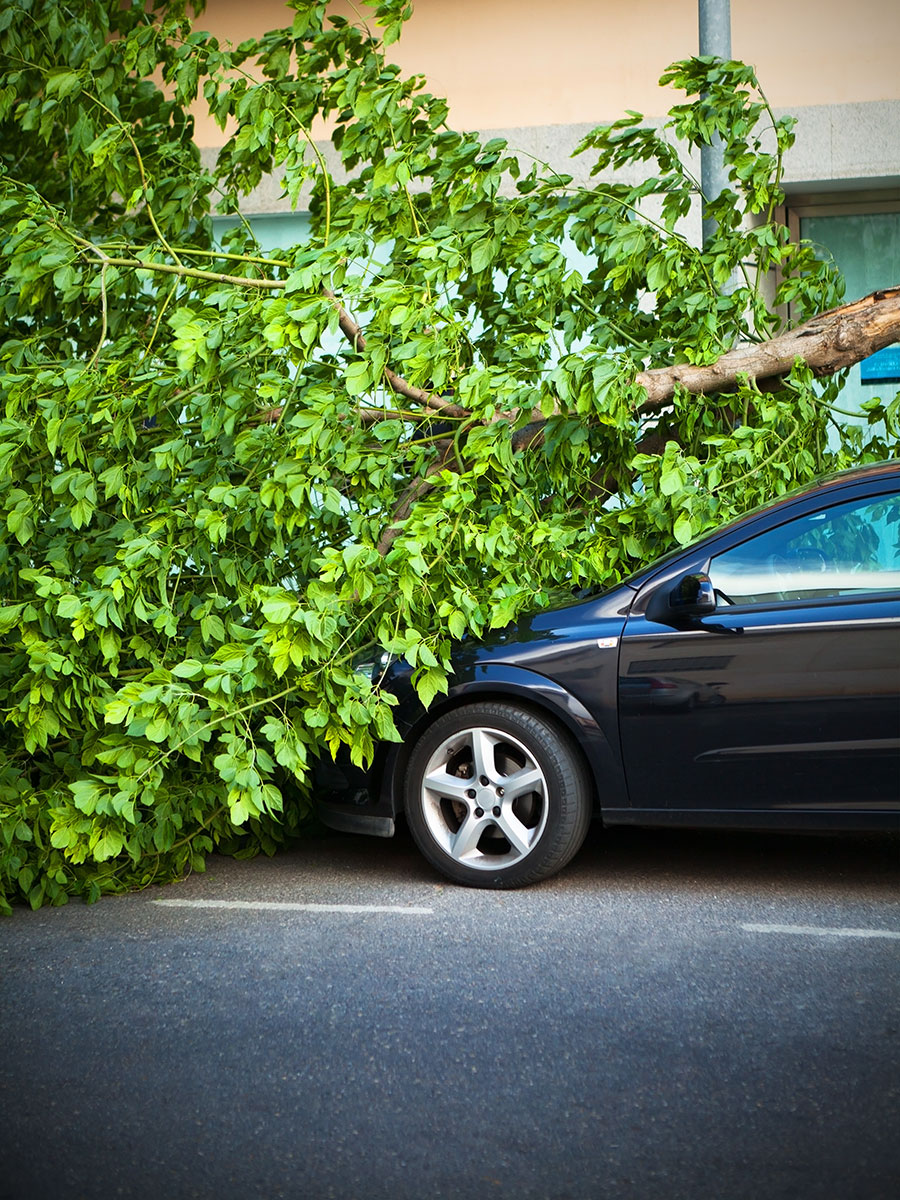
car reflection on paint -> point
(653, 691)
(749, 680)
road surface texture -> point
(677, 1015)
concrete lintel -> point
(836, 145)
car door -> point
(785, 698)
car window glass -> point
(847, 550)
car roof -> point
(887, 466)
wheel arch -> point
(534, 693)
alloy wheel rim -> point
(484, 798)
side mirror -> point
(692, 596)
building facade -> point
(542, 75)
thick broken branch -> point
(827, 343)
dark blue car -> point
(751, 680)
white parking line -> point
(821, 931)
(292, 906)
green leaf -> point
(109, 845)
(429, 682)
(117, 712)
(63, 84)
(68, 606)
(483, 254)
(358, 377)
(86, 793)
(158, 729)
(212, 629)
(10, 615)
(456, 623)
(189, 669)
(278, 609)
(683, 529)
(671, 481)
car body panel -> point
(782, 714)
(513, 664)
(792, 709)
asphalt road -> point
(677, 1015)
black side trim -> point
(356, 822)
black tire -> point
(497, 796)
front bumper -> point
(348, 797)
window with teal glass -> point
(865, 245)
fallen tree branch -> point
(827, 343)
(417, 489)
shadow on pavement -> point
(680, 858)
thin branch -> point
(356, 338)
(165, 304)
(105, 322)
(192, 273)
(193, 252)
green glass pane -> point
(272, 230)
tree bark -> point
(827, 343)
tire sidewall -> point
(568, 793)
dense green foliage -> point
(213, 493)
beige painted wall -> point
(506, 63)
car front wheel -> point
(496, 796)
